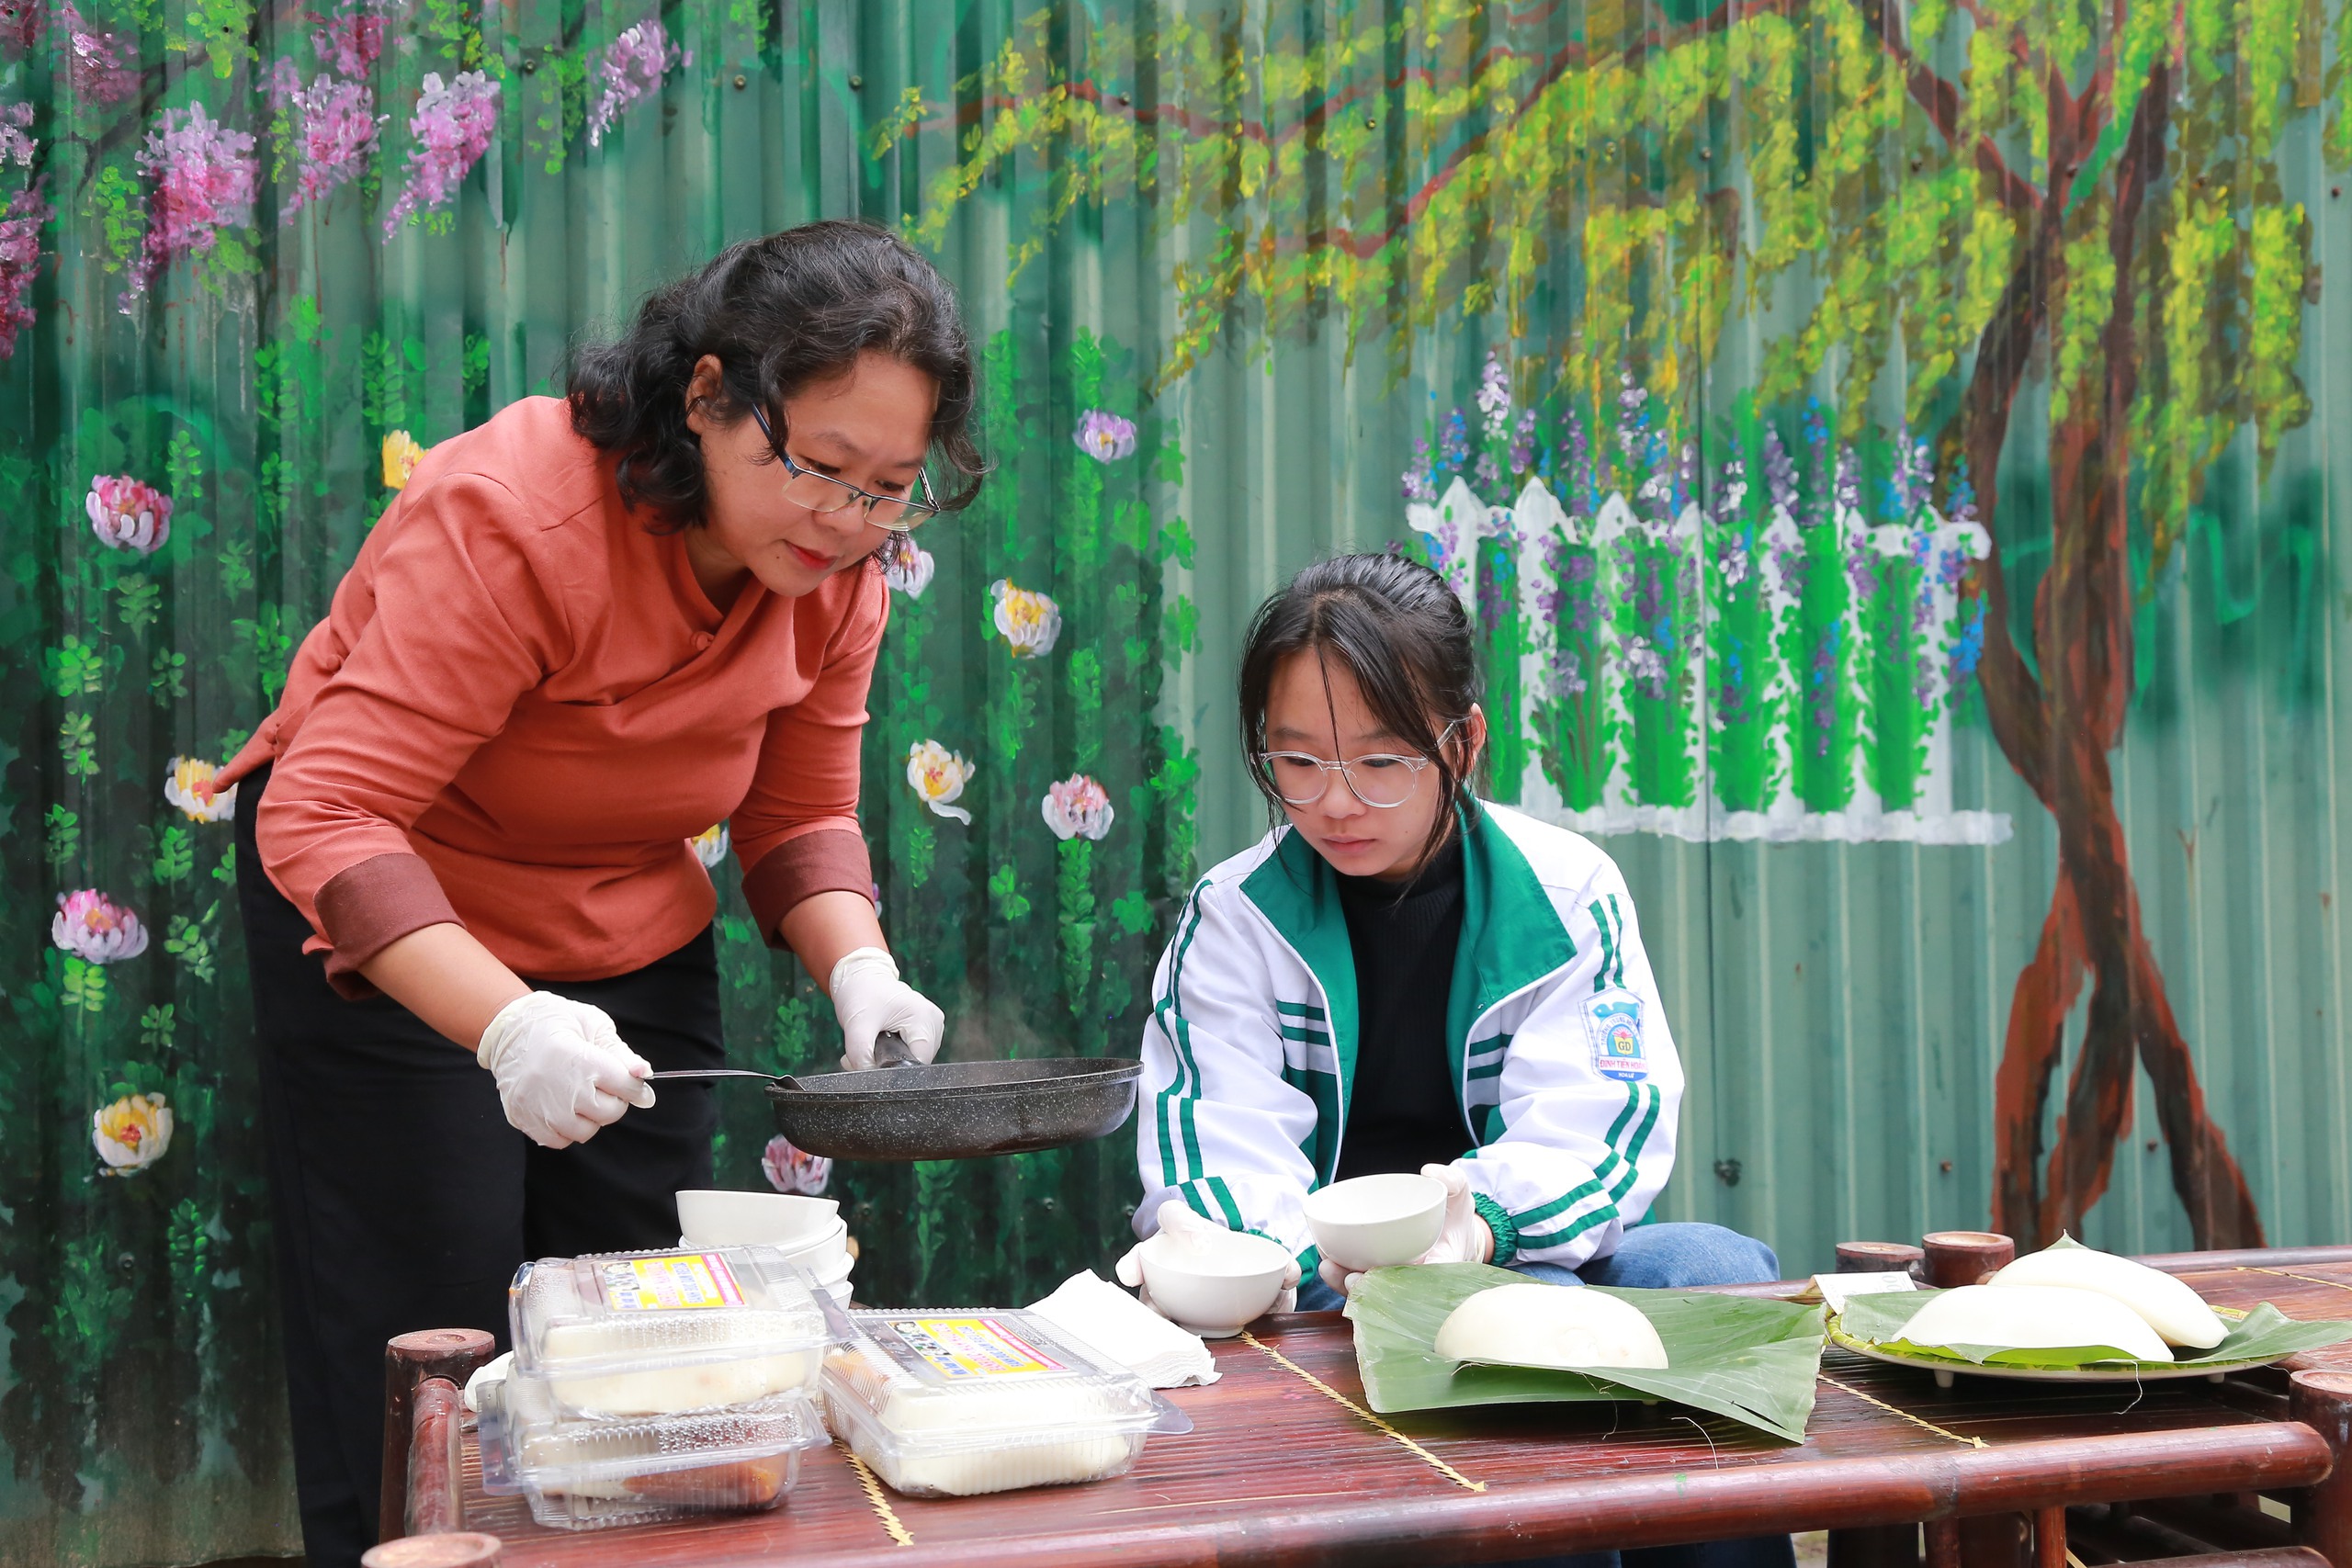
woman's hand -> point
(561, 1068)
(1461, 1238)
(869, 997)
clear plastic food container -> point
(584, 1473)
(657, 1332)
(958, 1403)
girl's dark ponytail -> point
(1399, 629)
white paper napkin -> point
(1116, 1325)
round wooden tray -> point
(2211, 1371)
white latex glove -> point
(1176, 1218)
(561, 1068)
(1462, 1238)
(869, 997)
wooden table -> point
(1286, 1465)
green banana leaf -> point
(2263, 1334)
(1751, 1361)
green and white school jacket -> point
(1563, 1066)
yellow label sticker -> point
(671, 1284)
(962, 1347)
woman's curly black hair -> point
(779, 313)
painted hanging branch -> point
(2095, 198)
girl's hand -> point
(869, 999)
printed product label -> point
(1614, 1018)
(960, 1349)
(670, 1284)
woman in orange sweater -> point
(584, 633)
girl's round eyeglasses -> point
(1381, 779)
(824, 495)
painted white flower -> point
(132, 1133)
(95, 928)
(1078, 807)
(1030, 622)
(907, 566)
(939, 775)
(710, 845)
(791, 1170)
(189, 787)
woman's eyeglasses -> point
(824, 495)
(1383, 779)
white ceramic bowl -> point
(1212, 1285)
(810, 1252)
(754, 1219)
(1377, 1222)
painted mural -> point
(1815, 403)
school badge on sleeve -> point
(1614, 1018)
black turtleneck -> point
(1402, 1110)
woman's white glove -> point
(869, 997)
(1463, 1237)
(561, 1068)
(1177, 1219)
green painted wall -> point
(1843, 1007)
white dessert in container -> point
(660, 1332)
(954, 1403)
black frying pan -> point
(902, 1110)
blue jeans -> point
(1666, 1255)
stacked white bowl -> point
(808, 1231)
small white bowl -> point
(754, 1219)
(810, 1252)
(1212, 1284)
(1377, 1222)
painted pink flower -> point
(1078, 807)
(452, 125)
(128, 514)
(17, 143)
(352, 39)
(95, 61)
(20, 22)
(1105, 438)
(335, 129)
(204, 175)
(20, 226)
(790, 1170)
(95, 928)
(632, 70)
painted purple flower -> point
(1419, 481)
(1779, 472)
(1105, 438)
(1960, 496)
(451, 126)
(788, 1169)
(20, 226)
(1454, 444)
(95, 61)
(1484, 475)
(632, 70)
(95, 928)
(20, 24)
(335, 130)
(128, 514)
(16, 140)
(204, 175)
(1523, 443)
(1494, 395)
(352, 39)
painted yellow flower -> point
(401, 455)
(939, 775)
(710, 845)
(132, 1133)
(189, 787)
(1030, 621)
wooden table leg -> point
(2322, 1401)
(1876, 1546)
(452, 1353)
(1943, 1544)
(1995, 1541)
(437, 1474)
(2050, 1538)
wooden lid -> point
(433, 1344)
(455, 1548)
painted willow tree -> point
(1919, 204)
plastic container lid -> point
(657, 1332)
(579, 1473)
(954, 1404)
